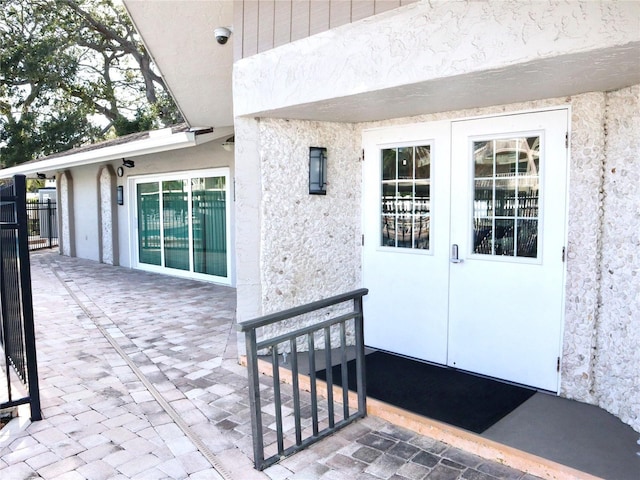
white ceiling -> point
(179, 35)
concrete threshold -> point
(454, 436)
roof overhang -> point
(159, 141)
(197, 70)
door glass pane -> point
(148, 197)
(423, 162)
(388, 228)
(483, 159)
(505, 197)
(209, 225)
(506, 193)
(528, 238)
(405, 162)
(503, 243)
(483, 236)
(406, 194)
(389, 164)
(175, 224)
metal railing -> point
(17, 335)
(332, 334)
(42, 224)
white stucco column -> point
(248, 222)
(583, 247)
(107, 216)
(65, 214)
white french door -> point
(464, 234)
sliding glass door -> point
(182, 223)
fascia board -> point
(137, 148)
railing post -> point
(26, 297)
(254, 397)
(49, 225)
(360, 358)
(3, 307)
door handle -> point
(454, 254)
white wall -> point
(85, 208)
(86, 230)
(208, 155)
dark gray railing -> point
(17, 335)
(291, 343)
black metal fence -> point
(42, 224)
(302, 405)
(17, 335)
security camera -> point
(222, 34)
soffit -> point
(197, 70)
(595, 71)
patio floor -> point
(139, 378)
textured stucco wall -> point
(310, 243)
(584, 244)
(616, 369)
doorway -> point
(464, 231)
(181, 223)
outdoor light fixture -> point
(229, 143)
(128, 163)
(120, 195)
(317, 171)
(41, 176)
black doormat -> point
(445, 394)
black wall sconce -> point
(41, 176)
(317, 171)
(120, 195)
(128, 163)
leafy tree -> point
(71, 72)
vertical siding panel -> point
(250, 28)
(299, 19)
(340, 13)
(282, 23)
(238, 29)
(318, 17)
(361, 9)
(380, 6)
(266, 12)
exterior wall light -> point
(317, 171)
(120, 195)
(128, 163)
(229, 143)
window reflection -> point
(506, 194)
(405, 202)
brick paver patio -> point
(139, 379)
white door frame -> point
(132, 209)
